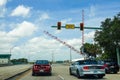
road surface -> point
(61, 72)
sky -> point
(23, 22)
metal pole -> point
(11, 49)
(118, 55)
(10, 52)
(70, 56)
(52, 57)
(83, 29)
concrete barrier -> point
(9, 71)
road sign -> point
(70, 26)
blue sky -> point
(22, 23)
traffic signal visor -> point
(81, 26)
(59, 25)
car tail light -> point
(35, 67)
(102, 67)
(47, 66)
(105, 65)
(85, 67)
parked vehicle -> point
(41, 67)
(82, 68)
(111, 66)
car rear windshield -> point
(87, 62)
(42, 62)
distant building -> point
(5, 58)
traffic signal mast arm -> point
(72, 26)
(79, 27)
(64, 43)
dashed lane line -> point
(61, 77)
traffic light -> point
(81, 26)
(59, 25)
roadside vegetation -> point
(19, 61)
(106, 40)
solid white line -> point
(61, 77)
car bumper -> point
(90, 73)
(94, 74)
(41, 71)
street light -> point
(11, 49)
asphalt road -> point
(61, 72)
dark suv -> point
(111, 66)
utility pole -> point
(83, 29)
(70, 56)
(11, 49)
(52, 57)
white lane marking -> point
(61, 77)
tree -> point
(92, 49)
(109, 37)
(19, 61)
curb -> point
(10, 78)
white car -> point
(88, 67)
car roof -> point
(41, 60)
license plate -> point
(95, 71)
(112, 66)
(41, 70)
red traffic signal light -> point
(81, 26)
(59, 25)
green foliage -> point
(92, 49)
(19, 61)
(109, 37)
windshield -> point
(41, 62)
(88, 62)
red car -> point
(41, 67)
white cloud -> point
(4, 38)
(3, 2)
(75, 42)
(89, 36)
(6, 42)
(44, 16)
(43, 43)
(21, 11)
(92, 11)
(65, 21)
(23, 29)
(94, 22)
(2, 7)
(2, 11)
(9, 39)
(38, 46)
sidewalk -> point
(8, 71)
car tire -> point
(78, 75)
(106, 71)
(70, 71)
(33, 74)
(50, 74)
(115, 72)
(99, 76)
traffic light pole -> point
(82, 30)
(81, 27)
